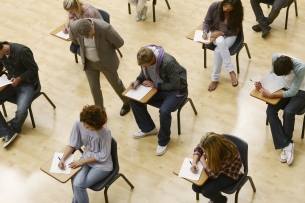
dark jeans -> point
(282, 133)
(212, 187)
(166, 102)
(275, 10)
(24, 95)
(74, 48)
(4, 128)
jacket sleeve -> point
(208, 20)
(172, 72)
(72, 33)
(141, 77)
(27, 59)
(113, 37)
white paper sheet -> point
(198, 36)
(272, 82)
(4, 81)
(54, 166)
(139, 92)
(61, 34)
(185, 171)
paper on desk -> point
(138, 93)
(4, 81)
(198, 36)
(185, 171)
(272, 82)
(54, 166)
(61, 34)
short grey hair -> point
(83, 27)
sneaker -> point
(160, 150)
(143, 13)
(9, 139)
(289, 150)
(141, 134)
(283, 157)
(2, 137)
(138, 15)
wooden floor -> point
(226, 110)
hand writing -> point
(134, 84)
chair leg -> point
(302, 136)
(197, 196)
(153, 4)
(205, 56)
(296, 7)
(252, 184)
(267, 120)
(49, 100)
(105, 194)
(236, 195)
(4, 110)
(193, 106)
(248, 52)
(167, 5)
(178, 121)
(32, 117)
(237, 62)
(121, 55)
(76, 59)
(127, 181)
(129, 11)
(286, 21)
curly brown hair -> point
(93, 116)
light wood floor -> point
(227, 110)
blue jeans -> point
(23, 96)
(85, 178)
(282, 133)
(4, 128)
(166, 102)
(212, 187)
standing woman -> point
(91, 132)
(224, 19)
(221, 162)
(77, 10)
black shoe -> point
(9, 139)
(124, 110)
(265, 30)
(256, 28)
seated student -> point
(292, 72)
(223, 19)
(91, 132)
(264, 22)
(221, 162)
(78, 10)
(141, 9)
(22, 70)
(162, 71)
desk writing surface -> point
(191, 34)
(146, 98)
(54, 32)
(257, 94)
(63, 178)
(203, 176)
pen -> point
(191, 163)
(251, 80)
(59, 158)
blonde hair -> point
(145, 55)
(217, 147)
(72, 4)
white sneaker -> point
(289, 151)
(9, 139)
(138, 15)
(143, 13)
(141, 134)
(160, 150)
(283, 157)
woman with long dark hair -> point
(223, 19)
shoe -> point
(283, 157)
(124, 110)
(160, 150)
(289, 151)
(9, 139)
(265, 30)
(256, 28)
(212, 86)
(138, 15)
(143, 13)
(235, 83)
(141, 134)
(2, 137)
(10, 125)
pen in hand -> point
(59, 158)
(191, 163)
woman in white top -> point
(91, 132)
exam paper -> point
(54, 166)
(138, 93)
(198, 36)
(4, 81)
(185, 171)
(272, 82)
(61, 34)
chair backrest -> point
(114, 155)
(105, 15)
(239, 42)
(242, 147)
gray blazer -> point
(107, 40)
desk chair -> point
(106, 18)
(36, 95)
(270, 3)
(301, 112)
(242, 147)
(113, 176)
(153, 6)
(234, 49)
